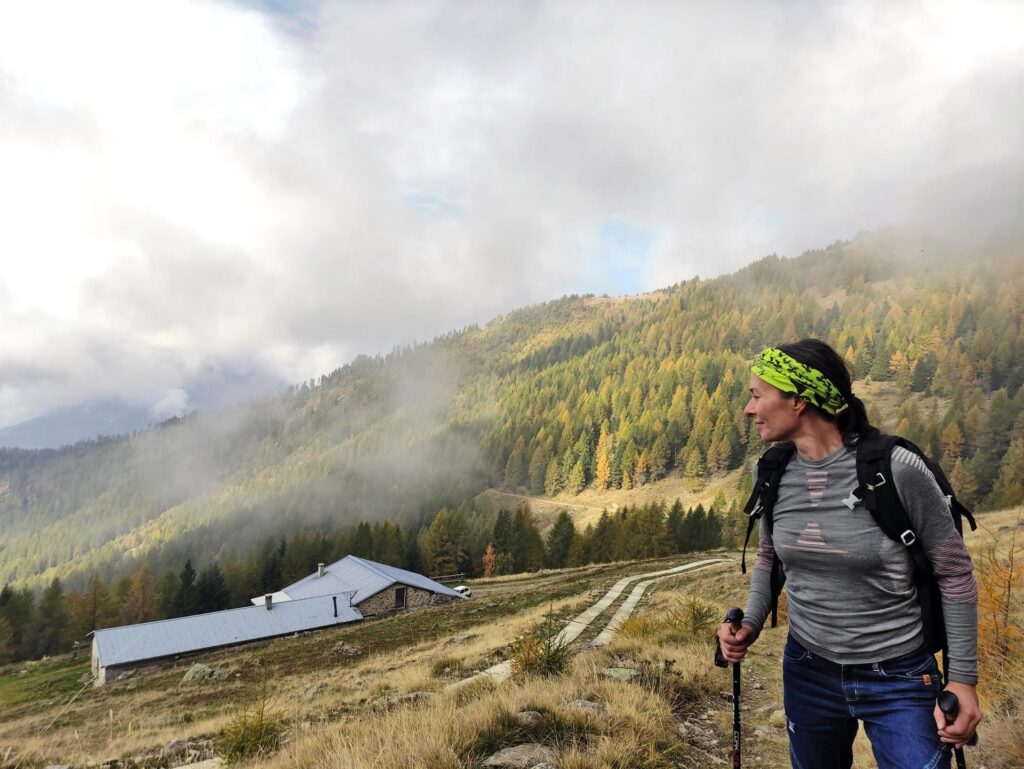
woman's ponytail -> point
(852, 420)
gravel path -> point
(581, 622)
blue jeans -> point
(824, 702)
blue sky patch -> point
(617, 259)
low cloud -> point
(196, 184)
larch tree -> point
(141, 605)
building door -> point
(399, 597)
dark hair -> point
(852, 421)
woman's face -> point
(775, 416)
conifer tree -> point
(659, 457)
(527, 545)
(501, 534)
(538, 468)
(628, 464)
(560, 540)
(602, 544)
(186, 603)
(674, 526)
(362, 547)
(641, 472)
(951, 440)
(695, 468)
(504, 564)
(1009, 488)
(212, 592)
(141, 605)
(99, 609)
(51, 623)
(553, 478)
(579, 552)
(603, 472)
(167, 594)
(444, 543)
(7, 648)
(577, 478)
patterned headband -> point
(791, 376)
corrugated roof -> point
(362, 577)
(165, 638)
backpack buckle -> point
(949, 501)
(908, 538)
(877, 484)
(853, 500)
(758, 509)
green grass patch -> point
(42, 681)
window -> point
(399, 597)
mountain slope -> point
(582, 391)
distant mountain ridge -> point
(213, 388)
(577, 392)
(68, 426)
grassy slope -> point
(349, 722)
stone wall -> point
(384, 601)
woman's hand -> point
(735, 643)
(959, 731)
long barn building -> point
(346, 591)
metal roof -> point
(165, 638)
(363, 578)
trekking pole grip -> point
(950, 706)
(734, 617)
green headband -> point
(791, 376)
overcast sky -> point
(197, 187)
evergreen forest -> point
(384, 456)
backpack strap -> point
(878, 491)
(762, 500)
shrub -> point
(251, 733)
(696, 616)
(540, 652)
(645, 625)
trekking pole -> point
(950, 706)
(734, 617)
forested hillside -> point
(581, 391)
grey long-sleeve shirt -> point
(851, 594)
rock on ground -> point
(778, 718)
(595, 708)
(620, 674)
(174, 748)
(521, 757)
(346, 649)
(201, 672)
(529, 717)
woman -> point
(855, 647)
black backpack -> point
(877, 491)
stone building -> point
(346, 591)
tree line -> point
(456, 540)
(582, 392)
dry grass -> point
(352, 724)
(459, 729)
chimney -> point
(320, 569)
(268, 601)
